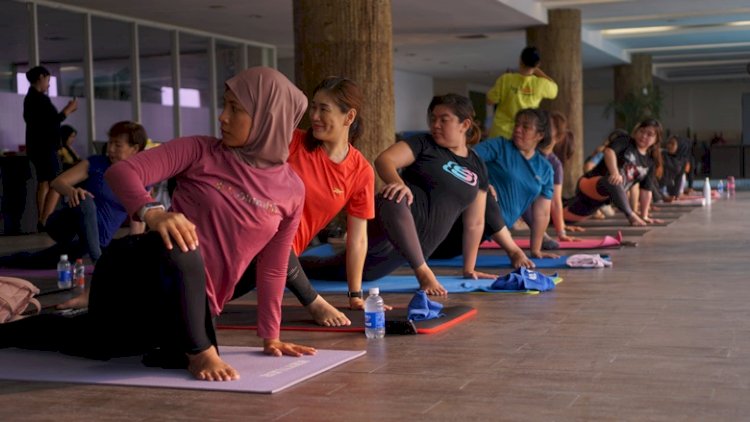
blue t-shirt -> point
(518, 181)
(110, 214)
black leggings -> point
(585, 206)
(392, 242)
(296, 281)
(143, 297)
(452, 246)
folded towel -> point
(421, 308)
(587, 261)
(524, 279)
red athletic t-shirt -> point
(329, 187)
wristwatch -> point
(151, 205)
(354, 294)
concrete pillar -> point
(632, 81)
(559, 43)
(352, 39)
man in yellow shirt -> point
(517, 91)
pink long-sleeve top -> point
(240, 212)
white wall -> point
(412, 94)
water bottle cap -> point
(64, 257)
(79, 261)
(374, 291)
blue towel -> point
(421, 308)
(522, 278)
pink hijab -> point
(276, 106)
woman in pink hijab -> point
(236, 199)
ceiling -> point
(476, 40)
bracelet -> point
(354, 294)
(562, 233)
(149, 206)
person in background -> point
(93, 214)
(515, 91)
(627, 161)
(676, 158)
(43, 133)
(68, 156)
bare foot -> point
(428, 282)
(79, 302)
(208, 366)
(636, 221)
(326, 314)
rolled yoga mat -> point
(259, 373)
(296, 318)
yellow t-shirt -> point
(513, 92)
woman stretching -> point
(440, 180)
(237, 198)
(627, 161)
(336, 176)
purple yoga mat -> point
(259, 373)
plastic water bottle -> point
(730, 187)
(720, 188)
(64, 275)
(79, 274)
(374, 314)
(707, 191)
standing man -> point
(43, 132)
(516, 91)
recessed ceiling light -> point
(637, 30)
(739, 23)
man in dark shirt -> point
(43, 131)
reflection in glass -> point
(194, 86)
(156, 72)
(112, 73)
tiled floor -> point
(663, 335)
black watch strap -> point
(354, 294)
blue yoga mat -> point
(409, 284)
(483, 261)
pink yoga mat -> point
(595, 243)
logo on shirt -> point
(337, 191)
(461, 173)
(267, 206)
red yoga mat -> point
(595, 243)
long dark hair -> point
(463, 109)
(654, 150)
(348, 95)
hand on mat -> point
(575, 229)
(78, 195)
(476, 275)
(615, 179)
(208, 366)
(358, 304)
(79, 302)
(398, 191)
(566, 238)
(276, 347)
(519, 259)
(650, 220)
(542, 254)
(173, 226)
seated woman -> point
(520, 175)
(676, 158)
(440, 180)
(336, 176)
(237, 198)
(627, 161)
(94, 213)
(522, 179)
(68, 156)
